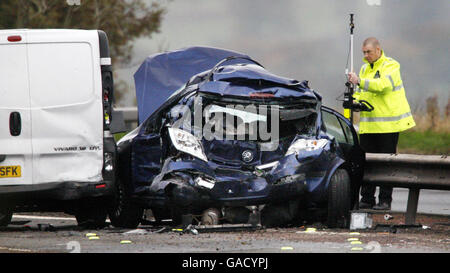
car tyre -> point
(339, 198)
(123, 212)
(91, 214)
(5, 217)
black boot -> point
(364, 205)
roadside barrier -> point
(414, 172)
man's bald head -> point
(371, 41)
(371, 49)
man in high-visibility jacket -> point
(380, 84)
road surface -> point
(56, 232)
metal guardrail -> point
(397, 170)
(408, 171)
(130, 116)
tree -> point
(122, 20)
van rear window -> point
(61, 74)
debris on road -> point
(192, 230)
(161, 230)
(46, 227)
(138, 231)
(360, 220)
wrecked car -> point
(222, 138)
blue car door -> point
(345, 134)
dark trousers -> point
(378, 143)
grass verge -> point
(426, 142)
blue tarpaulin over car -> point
(163, 73)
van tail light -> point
(15, 38)
(100, 186)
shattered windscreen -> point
(232, 122)
(213, 119)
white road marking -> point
(47, 218)
(15, 249)
(43, 217)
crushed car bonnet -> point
(160, 75)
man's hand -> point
(353, 78)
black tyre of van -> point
(339, 197)
(91, 214)
(5, 217)
(122, 211)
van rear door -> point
(66, 102)
(15, 122)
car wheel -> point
(123, 212)
(5, 217)
(91, 214)
(339, 198)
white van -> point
(57, 151)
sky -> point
(309, 40)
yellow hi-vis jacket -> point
(382, 86)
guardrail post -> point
(411, 209)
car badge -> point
(247, 156)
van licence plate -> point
(10, 171)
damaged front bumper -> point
(198, 184)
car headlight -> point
(306, 145)
(186, 142)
